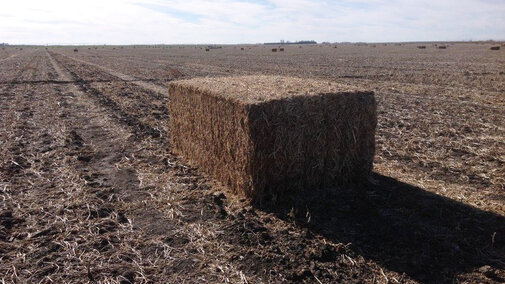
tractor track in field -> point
(140, 129)
(142, 83)
(96, 160)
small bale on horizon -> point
(274, 49)
(260, 135)
(494, 48)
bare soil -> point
(90, 191)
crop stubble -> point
(91, 191)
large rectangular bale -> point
(270, 134)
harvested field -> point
(91, 190)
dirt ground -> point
(91, 193)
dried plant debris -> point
(90, 191)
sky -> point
(247, 21)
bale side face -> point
(277, 145)
(312, 142)
(211, 133)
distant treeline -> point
(288, 42)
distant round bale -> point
(421, 47)
(274, 49)
(442, 47)
(494, 48)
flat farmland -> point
(90, 190)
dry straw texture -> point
(260, 134)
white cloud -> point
(234, 21)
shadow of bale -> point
(402, 227)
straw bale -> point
(271, 134)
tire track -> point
(140, 129)
(142, 83)
(50, 138)
(147, 183)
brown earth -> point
(90, 191)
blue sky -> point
(248, 21)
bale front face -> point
(210, 133)
(261, 134)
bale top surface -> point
(260, 88)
